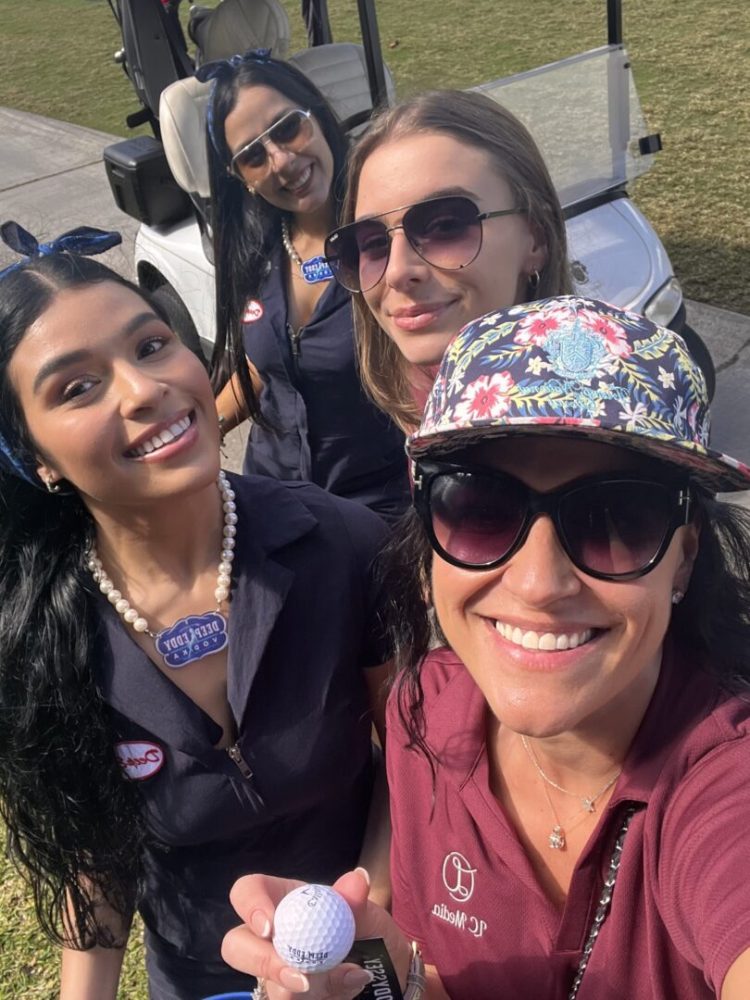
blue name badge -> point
(192, 638)
(316, 269)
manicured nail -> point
(365, 875)
(294, 981)
(357, 979)
(260, 924)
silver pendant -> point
(556, 839)
(588, 805)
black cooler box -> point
(142, 184)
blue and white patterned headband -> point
(85, 241)
(223, 69)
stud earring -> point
(677, 596)
(250, 190)
(52, 486)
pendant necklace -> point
(314, 269)
(556, 839)
(195, 636)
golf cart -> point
(595, 142)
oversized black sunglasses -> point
(612, 527)
(292, 131)
(446, 232)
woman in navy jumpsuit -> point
(128, 782)
(277, 159)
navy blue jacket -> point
(328, 431)
(304, 624)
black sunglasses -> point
(612, 527)
(446, 232)
(293, 131)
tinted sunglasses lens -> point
(293, 132)
(476, 519)
(294, 128)
(250, 160)
(446, 232)
(616, 528)
(358, 254)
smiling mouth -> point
(172, 433)
(546, 641)
(303, 178)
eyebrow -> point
(446, 192)
(62, 361)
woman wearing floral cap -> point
(569, 770)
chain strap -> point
(604, 902)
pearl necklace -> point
(556, 838)
(314, 269)
(195, 636)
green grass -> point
(692, 64)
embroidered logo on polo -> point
(139, 759)
(253, 311)
(192, 638)
(458, 878)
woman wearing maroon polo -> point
(569, 771)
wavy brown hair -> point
(477, 121)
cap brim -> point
(717, 472)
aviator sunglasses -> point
(446, 232)
(610, 527)
(292, 131)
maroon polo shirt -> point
(465, 890)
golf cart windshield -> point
(585, 115)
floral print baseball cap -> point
(576, 367)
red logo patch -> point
(253, 311)
(139, 760)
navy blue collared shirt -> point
(325, 428)
(304, 624)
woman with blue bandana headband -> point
(569, 762)
(190, 662)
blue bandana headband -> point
(85, 241)
(223, 69)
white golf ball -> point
(313, 928)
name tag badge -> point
(140, 759)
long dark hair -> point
(74, 823)
(712, 622)
(246, 227)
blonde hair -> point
(478, 121)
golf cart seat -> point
(238, 25)
(338, 70)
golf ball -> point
(313, 928)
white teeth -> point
(171, 433)
(303, 178)
(543, 640)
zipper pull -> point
(239, 760)
(294, 336)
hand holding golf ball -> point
(313, 928)
(295, 937)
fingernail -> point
(357, 979)
(260, 924)
(365, 875)
(295, 981)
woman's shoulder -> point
(280, 511)
(443, 678)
